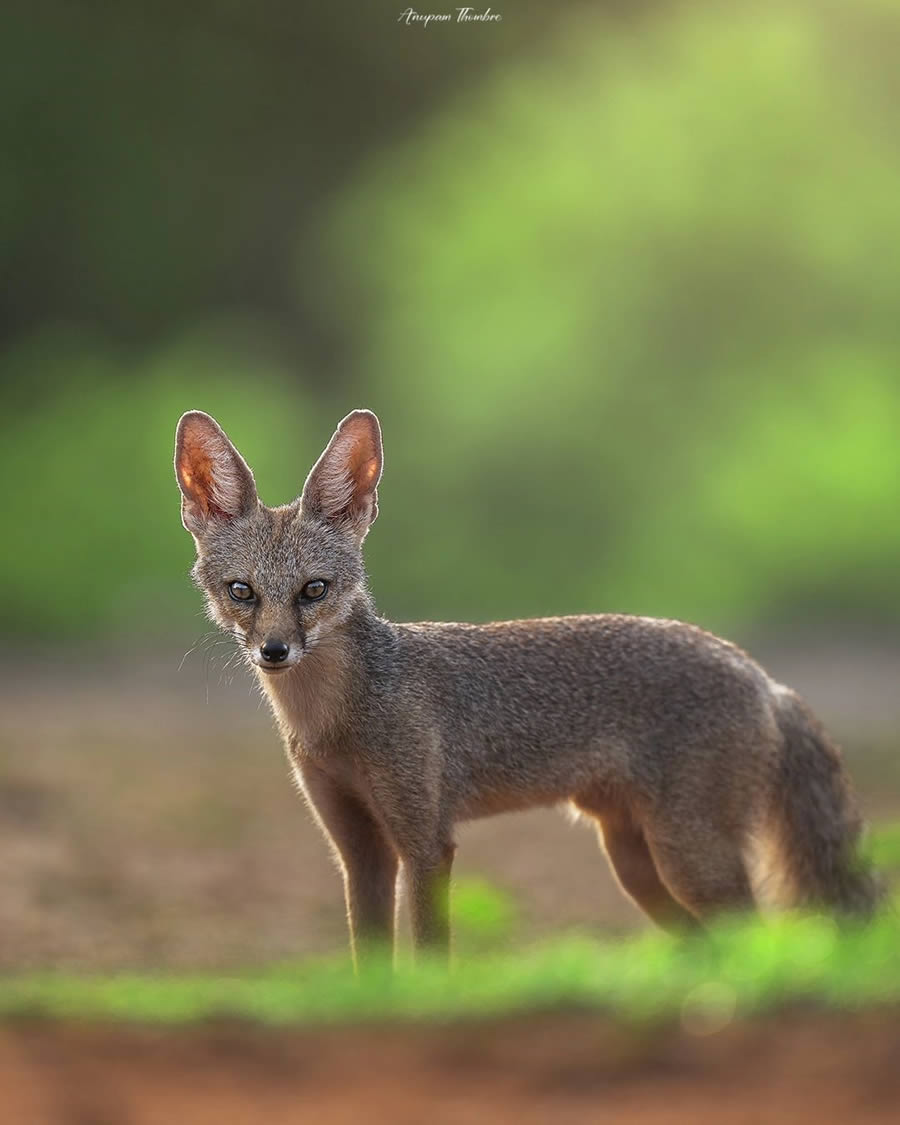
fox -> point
(692, 762)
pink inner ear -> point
(360, 456)
(206, 477)
(342, 483)
(368, 472)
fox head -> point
(279, 579)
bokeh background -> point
(622, 282)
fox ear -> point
(214, 478)
(342, 487)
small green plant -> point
(482, 914)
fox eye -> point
(240, 591)
(314, 590)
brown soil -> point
(562, 1068)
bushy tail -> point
(817, 823)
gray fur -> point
(675, 742)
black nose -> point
(274, 652)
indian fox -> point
(689, 758)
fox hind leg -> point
(703, 868)
(638, 876)
(634, 867)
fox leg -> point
(422, 834)
(633, 866)
(703, 867)
(427, 877)
(368, 862)
(630, 858)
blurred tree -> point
(648, 292)
(160, 158)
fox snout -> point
(274, 651)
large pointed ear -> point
(214, 479)
(342, 487)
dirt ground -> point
(147, 819)
(561, 1068)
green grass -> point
(743, 966)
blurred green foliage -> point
(648, 292)
(883, 849)
(481, 913)
(626, 305)
(744, 967)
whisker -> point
(205, 641)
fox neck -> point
(318, 697)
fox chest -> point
(334, 758)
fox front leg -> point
(368, 862)
(427, 879)
(411, 808)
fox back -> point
(692, 762)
